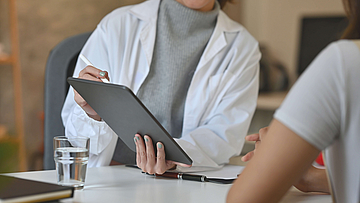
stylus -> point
(88, 63)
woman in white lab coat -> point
(220, 99)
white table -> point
(123, 184)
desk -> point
(123, 184)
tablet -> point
(126, 115)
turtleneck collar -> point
(184, 20)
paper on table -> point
(227, 172)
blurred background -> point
(290, 32)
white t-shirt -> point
(323, 108)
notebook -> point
(14, 189)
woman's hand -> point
(94, 74)
(257, 138)
(146, 159)
(314, 180)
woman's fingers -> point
(257, 144)
(146, 159)
(78, 99)
(252, 137)
(150, 155)
(93, 72)
(90, 77)
(247, 156)
(263, 132)
(181, 164)
(140, 152)
(104, 74)
(138, 160)
(257, 137)
(160, 159)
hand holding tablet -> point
(148, 161)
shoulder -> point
(341, 56)
(341, 49)
(116, 15)
(347, 51)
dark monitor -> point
(316, 34)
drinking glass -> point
(71, 156)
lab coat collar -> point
(218, 40)
(146, 11)
(225, 24)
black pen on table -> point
(183, 176)
(193, 177)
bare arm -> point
(280, 162)
(314, 179)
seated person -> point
(321, 112)
(193, 67)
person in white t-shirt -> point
(321, 112)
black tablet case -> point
(119, 107)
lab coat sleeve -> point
(221, 133)
(75, 120)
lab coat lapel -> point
(217, 41)
(147, 38)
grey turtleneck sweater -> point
(182, 35)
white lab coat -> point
(221, 98)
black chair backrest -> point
(60, 65)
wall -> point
(276, 24)
(42, 25)
(6, 96)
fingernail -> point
(159, 145)
(146, 139)
(135, 139)
(138, 138)
(102, 74)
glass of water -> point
(71, 156)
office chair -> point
(60, 65)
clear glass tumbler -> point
(71, 156)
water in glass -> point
(71, 164)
